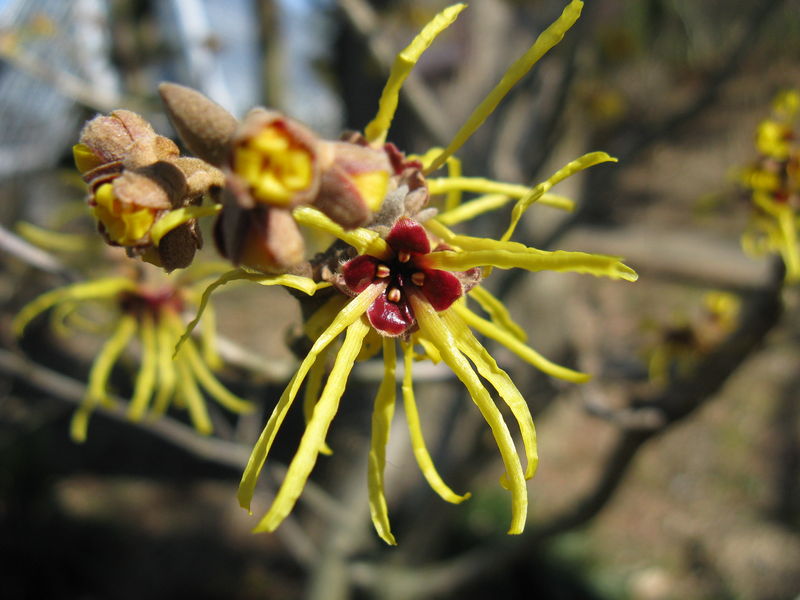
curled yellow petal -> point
(487, 186)
(377, 129)
(317, 429)
(418, 445)
(208, 381)
(349, 314)
(99, 374)
(146, 379)
(789, 249)
(438, 333)
(546, 40)
(195, 403)
(167, 374)
(313, 389)
(382, 414)
(497, 311)
(101, 288)
(303, 284)
(526, 353)
(535, 194)
(508, 255)
(54, 241)
(487, 367)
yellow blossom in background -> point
(774, 184)
(681, 343)
(146, 314)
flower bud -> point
(261, 238)
(355, 181)
(204, 126)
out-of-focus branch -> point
(683, 397)
(33, 256)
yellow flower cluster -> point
(774, 183)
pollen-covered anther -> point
(403, 256)
(382, 271)
(418, 278)
(394, 295)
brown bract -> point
(146, 171)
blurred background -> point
(674, 473)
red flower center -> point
(404, 273)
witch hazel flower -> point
(398, 275)
(401, 274)
(145, 312)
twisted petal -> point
(487, 367)
(497, 312)
(187, 388)
(167, 373)
(546, 40)
(314, 436)
(377, 129)
(304, 284)
(99, 374)
(487, 186)
(346, 316)
(417, 439)
(789, 249)
(146, 379)
(101, 288)
(382, 414)
(526, 353)
(313, 389)
(508, 255)
(579, 164)
(209, 382)
(444, 341)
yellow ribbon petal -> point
(348, 315)
(497, 312)
(487, 367)
(377, 129)
(526, 353)
(536, 194)
(146, 379)
(365, 241)
(421, 454)
(99, 374)
(546, 40)
(382, 414)
(317, 429)
(441, 337)
(101, 288)
(487, 186)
